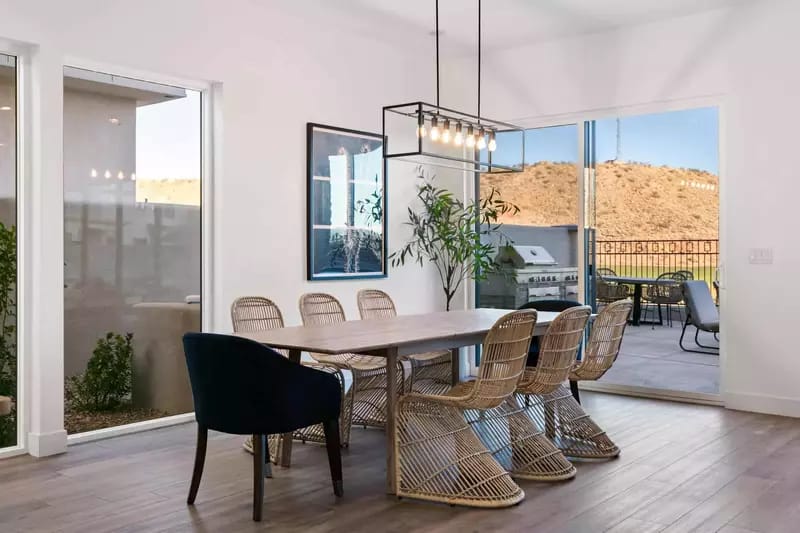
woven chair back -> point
(605, 340)
(317, 309)
(503, 357)
(255, 313)
(373, 303)
(559, 350)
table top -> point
(448, 329)
(641, 281)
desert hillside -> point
(634, 200)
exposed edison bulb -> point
(120, 175)
(93, 173)
(446, 132)
(458, 139)
(492, 141)
(470, 138)
(421, 130)
(480, 142)
(435, 133)
(107, 174)
(133, 176)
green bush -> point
(108, 380)
(8, 330)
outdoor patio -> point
(650, 357)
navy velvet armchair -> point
(242, 387)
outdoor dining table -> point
(637, 283)
(390, 338)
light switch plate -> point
(760, 256)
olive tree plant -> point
(447, 233)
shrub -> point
(108, 380)
(8, 330)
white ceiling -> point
(508, 23)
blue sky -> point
(168, 139)
(687, 139)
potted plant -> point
(447, 232)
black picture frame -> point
(344, 238)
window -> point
(8, 251)
(132, 246)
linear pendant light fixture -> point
(431, 134)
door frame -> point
(581, 118)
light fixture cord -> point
(437, 53)
(479, 61)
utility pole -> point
(619, 141)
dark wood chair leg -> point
(331, 428)
(259, 445)
(199, 461)
(576, 393)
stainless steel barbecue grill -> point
(528, 273)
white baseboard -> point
(45, 444)
(759, 403)
(136, 427)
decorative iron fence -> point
(649, 258)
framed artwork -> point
(346, 204)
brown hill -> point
(634, 200)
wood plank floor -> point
(683, 468)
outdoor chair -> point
(256, 313)
(687, 274)
(702, 313)
(555, 306)
(438, 456)
(244, 388)
(520, 432)
(606, 291)
(368, 371)
(430, 372)
(664, 295)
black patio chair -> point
(702, 313)
(555, 306)
(244, 388)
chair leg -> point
(199, 461)
(576, 393)
(331, 428)
(259, 457)
(710, 350)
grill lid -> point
(524, 256)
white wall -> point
(747, 57)
(281, 64)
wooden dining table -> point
(390, 338)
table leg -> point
(455, 365)
(637, 304)
(391, 420)
(286, 438)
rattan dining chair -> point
(256, 313)
(369, 372)
(574, 432)
(438, 456)
(431, 372)
(519, 433)
(607, 291)
(667, 295)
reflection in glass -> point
(132, 174)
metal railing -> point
(650, 258)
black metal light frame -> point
(413, 110)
